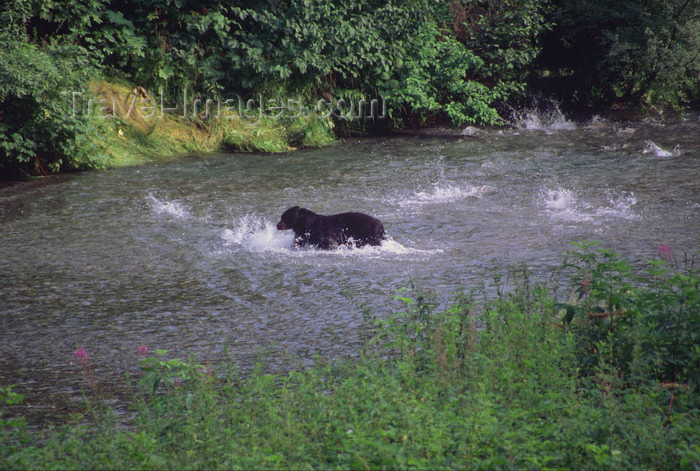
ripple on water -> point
(569, 205)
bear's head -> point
(295, 218)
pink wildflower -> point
(80, 355)
(585, 284)
(664, 252)
(143, 350)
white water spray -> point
(547, 120)
(652, 148)
(170, 208)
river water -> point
(184, 255)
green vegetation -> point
(603, 376)
(37, 133)
(453, 62)
(624, 52)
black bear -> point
(326, 232)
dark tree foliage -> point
(446, 61)
(625, 51)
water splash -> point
(170, 208)
(388, 249)
(569, 205)
(446, 192)
(254, 234)
(565, 204)
(652, 148)
(258, 235)
(547, 119)
(620, 206)
(470, 131)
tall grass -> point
(519, 381)
(127, 134)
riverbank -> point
(114, 123)
(132, 126)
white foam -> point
(568, 205)
(621, 206)
(598, 120)
(257, 235)
(652, 148)
(446, 192)
(170, 208)
(387, 247)
(559, 199)
(548, 121)
(565, 204)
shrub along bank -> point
(602, 376)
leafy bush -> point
(414, 54)
(432, 82)
(644, 326)
(404, 50)
(39, 133)
(505, 35)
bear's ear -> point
(304, 213)
(290, 215)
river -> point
(184, 255)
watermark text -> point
(251, 109)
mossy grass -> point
(127, 135)
(476, 382)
